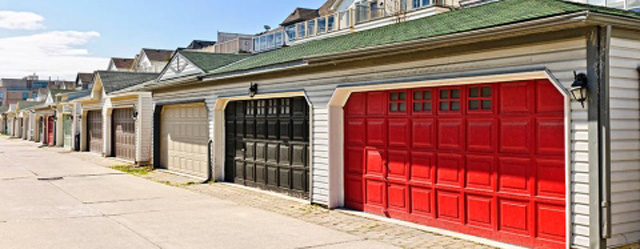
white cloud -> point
(20, 20)
(55, 54)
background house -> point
(151, 60)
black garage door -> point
(267, 144)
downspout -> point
(209, 163)
(605, 131)
(598, 127)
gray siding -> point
(561, 57)
(625, 141)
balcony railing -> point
(342, 20)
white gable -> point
(179, 66)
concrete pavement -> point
(49, 199)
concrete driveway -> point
(49, 199)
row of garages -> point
(475, 134)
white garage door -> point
(184, 138)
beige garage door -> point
(184, 139)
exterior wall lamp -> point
(253, 89)
(135, 114)
(579, 87)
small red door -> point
(50, 131)
(486, 160)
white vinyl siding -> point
(144, 125)
(625, 141)
(562, 57)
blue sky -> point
(120, 28)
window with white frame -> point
(633, 5)
(420, 3)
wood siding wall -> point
(561, 56)
(625, 140)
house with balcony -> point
(232, 43)
(340, 17)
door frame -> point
(336, 130)
(219, 130)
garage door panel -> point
(398, 197)
(479, 172)
(374, 162)
(550, 221)
(481, 134)
(376, 131)
(398, 165)
(450, 134)
(480, 211)
(547, 99)
(513, 175)
(448, 169)
(377, 104)
(358, 105)
(547, 139)
(516, 98)
(272, 175)
(515, 135)
(422, 165)
(550, 178)
(448, 205)
(484, 159)
(514, 216)
(421, 201)
(423, 133)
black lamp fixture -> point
(253, 89)
(579, 87)
(135, 114)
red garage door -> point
(484, 159)
(50, 132)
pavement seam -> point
(332, 243)
(122, 200)
(134, 231)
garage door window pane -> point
(397, 102)
(480, 98)
(449, 100)
(422, 101)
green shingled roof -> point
(55, 92)
(28, 104)
(211, 61)
(484, 16)
(113, 81)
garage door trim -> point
(336, 125)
